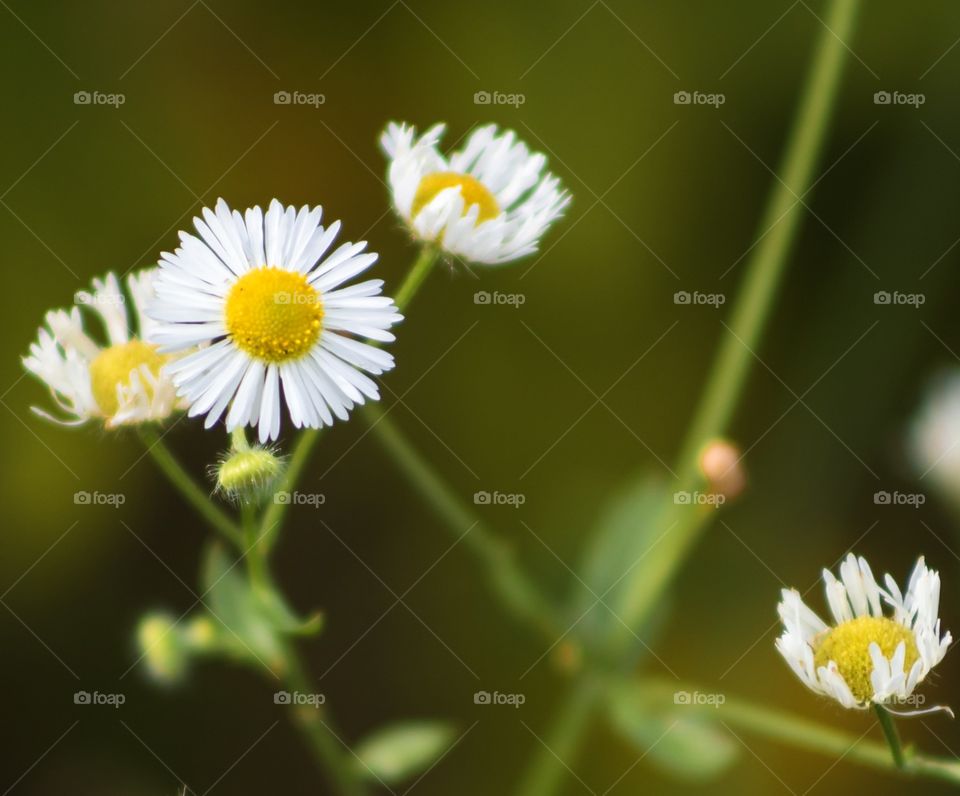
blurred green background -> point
(666, 198)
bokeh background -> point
(666, 197)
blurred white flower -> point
(119, 383)
(934, 436)
(489, 202)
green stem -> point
(416, 276)
(781, 223)
(316, 724)
(561, 743)
(506, 579)
(750, 314)
(275, 512)
(801, 733)
(187, 487)
(891, 734)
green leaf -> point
(682, 740)
(626, 530)
(399, 751)
(245, 627)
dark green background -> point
(199, 122)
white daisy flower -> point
(119, 383)
(934, 439)
(489, 202)
(866, 657)
(269, 308)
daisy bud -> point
(720, 464)
(248, 473)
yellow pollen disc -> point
(472, 190)
(113, 367)
(273, 314)
(848, 646)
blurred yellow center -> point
(472, 190)
(114, 365)
(848, 645)
(274, 314)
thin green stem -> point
(736, 356)
(273, 516)
(779, 228)
(332, 754)
(188, 488)
(801, 733)
(507, 581)
(418, 273)
(891, 734)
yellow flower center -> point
(113, 366)
(848, 646)
(472, 190)
(274, 314)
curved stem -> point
(891, 734)
(332, 754)
(779, 227)
(507, 580)
(189, 488)
(418, 273)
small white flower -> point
(934, 440)
(120, 383)
(489, 202)
(866, 657)
(257, 291)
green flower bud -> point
(248, 473)
(162, 647)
